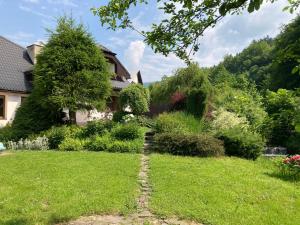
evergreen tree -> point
(71, 71)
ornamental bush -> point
(97, 127)
(129, 131)
(290, 167)
(99, 143)
(201, 145)
(107, 143)
(223, 120)
(241, 143)
(71, 144)
(135, 98)
(132, 146)
(56, 135)
(39, 143)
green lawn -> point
(50, 187)
(222, 191)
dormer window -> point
(112, 67)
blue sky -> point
(24, 22)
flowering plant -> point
(291, 166)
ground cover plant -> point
(50, 187)
(222, 191)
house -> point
(16, 66)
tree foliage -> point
(136, 97)
(71, 71)
(184, 22)
(255, 61)
(192, 82)
(286, 64)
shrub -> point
(56, 135)
(6, 134)
(144, 121)
(189, 144)
(180, 122)
(243, 144)
(40, 143)
(136, 97)
(118, 116)
(127, 132)
(293, 144)
(290, 167)
(197, 99)
(224, 120)
(282, 108)
(133, 146)
(106, 143)
(99, 143)
(97, 127)
(71, 144)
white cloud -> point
(63, 2)
(236, 32)
(22, 38)
(30, 10)
(134, 55)
(32, 1)
(230, 36)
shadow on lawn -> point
(284, 177)
(15, 221)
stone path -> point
(5, 153)
(143, 215)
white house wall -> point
(12, 102)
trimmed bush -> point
(179, 122)
(133, 146)
(6, 134)
(97, 127)
(56, 135)
(127, 132)
(98, 144)
(243, 144)
(165, 122)
(106, 143)
(136, 97)
(71, 144)
(189, 144)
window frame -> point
(4, 107)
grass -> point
(51, 187)
(225, 191)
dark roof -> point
(106, 49)
(15, 65)
(14, 61)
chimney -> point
(33, 50)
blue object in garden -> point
(2, 146)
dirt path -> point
(5, 153)
(143, 215)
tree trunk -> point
(72, 115)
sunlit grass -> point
(225, 191)
(49, 187)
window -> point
(112, 67)
(2, 106)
